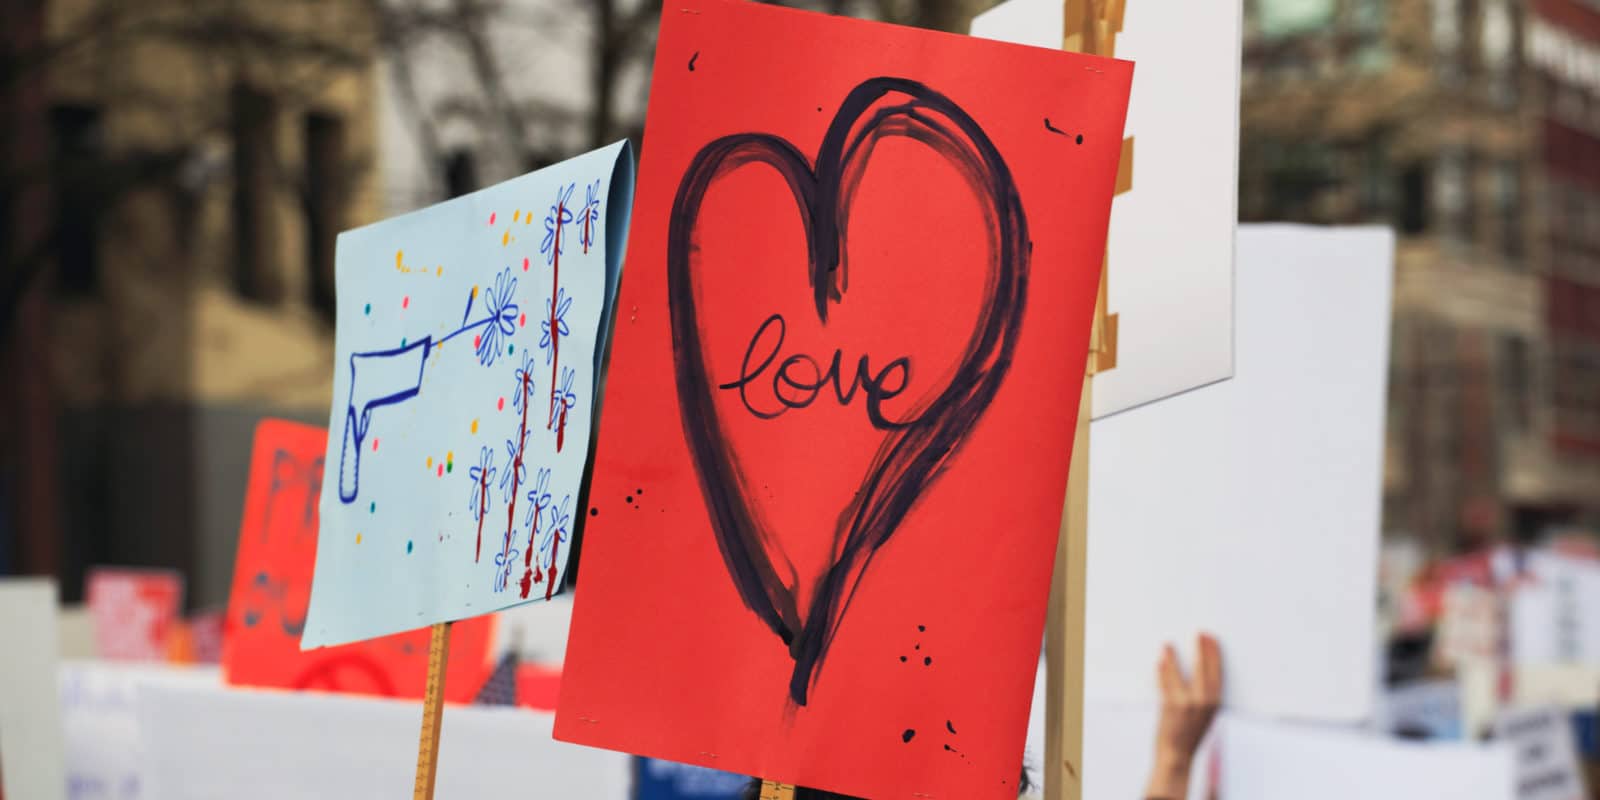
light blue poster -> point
(466, 361)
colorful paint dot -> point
(449, 466)
(505, 238)
(474, 292)
(524, 264)
(374, 444)
(438, 271)
(477, 340)
(501, 406)
(516, 216)
(368, 310)
(399, 256)
(405, 302)
(430, 462)
(402, 341)
(491, 217)
(358, 538)
(511, 348)
(474, 426)
(372, 508)
(441, 470)
(522, 320)
(408, 546)
(449, 456)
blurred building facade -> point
(1473, 128)
(198, 161)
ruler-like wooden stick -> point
(432, 713)
(772, 790)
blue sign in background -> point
(668, 780)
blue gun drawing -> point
(377, 378)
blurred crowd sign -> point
(472, 328)
(1470, 625)
(31, 753)
(1287, 510)
(272, 585)
(1423, 710)
(134, 611)
(1170, 252)
(864, 273)
(655, 779)
(1555, 611)
(1547, 759)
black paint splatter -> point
(1052, 128)
(594, 512)
(922, 629)
(949, 726)
(692, 59)
(927, 661)
(1080, 138)
(638, 491)
(902, 659)
(907, 736)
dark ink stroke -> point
(692, 59)
(911, 455)
(1054, 129)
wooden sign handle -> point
(772, 790)
(432, 713)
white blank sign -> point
(1250, 508)
(203, 744)
(1171, 237)
(32, 760)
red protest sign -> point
(272, 587)
(841, 401)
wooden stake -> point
(432, 713)
(772, 790)
(1091, 26)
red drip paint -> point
(524, 264)
(491, 218)
(561, 428)
(483, 511)
(527, 583)
(516, 465)
(555, 335)
(586, 217)
(555, 550)
(527, 558)
(374, 444)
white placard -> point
(1271, 761)
(240, 744)
(1250, 508)
(1171, 240)
(1547, 758)
(32, 764)
(100, 721)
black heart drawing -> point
(914, 451)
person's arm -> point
(1187, 708)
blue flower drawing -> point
(524, 376)
(504, 563)
(538, 496)
(556, 523)
(589, 217)
(515, 472)
(560, 216)
(562, 399)
(502, 319)
(562, 304)
(481, 475)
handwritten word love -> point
(798, 379)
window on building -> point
(77, 137)
(1508, 208)
(1516, 383)
(1446, 18)
(325, 177)
(1414, 199)
(1452, 193)
(1298, 176)
(1497, 51)
(254, 128)
(460, 173)
(1281, 18)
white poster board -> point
(32, 764)
(1271, 761)
(100, 721)
(1250, 508)
(241, 744)
(1170, 244)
